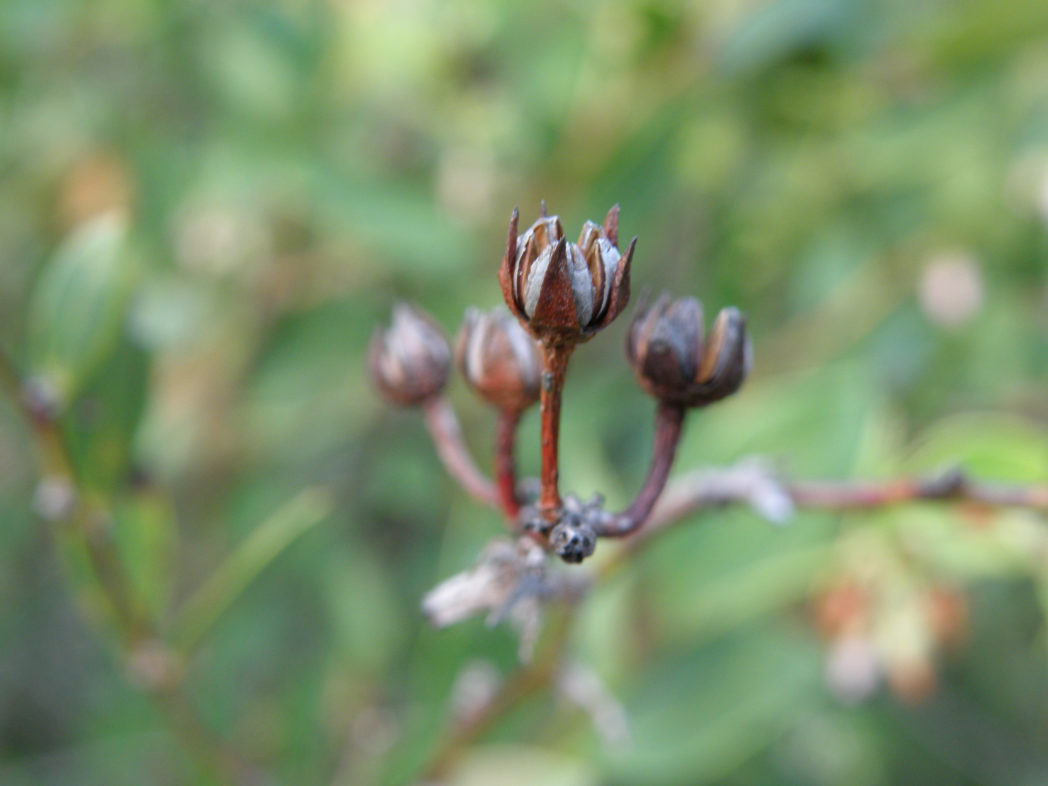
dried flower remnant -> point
(564, 292)
(410, 360)
(676, 364)
(498, 359)
(509, 581)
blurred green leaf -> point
(365, 613)
(146, 536)
(101, 425)
(777, 29)
(704, 713)
(261, 547)
(518, 765)
(77, 306)
(994, 446)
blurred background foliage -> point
(205, 207)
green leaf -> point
(146, 536)
(518, 765)
(699, 717)
(266, 543)
(102, 420)
(988, 445)
(77, 307)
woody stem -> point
(505, 465)
(554, 367)
(669, 425)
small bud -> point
(673, 361)
(572, 540)
(499, 360)
(54, 498)
(410, 360)
(565, 292)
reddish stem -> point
(554, 367)
(444, 427)
(505, 464)
(952, 485)
(669, 425)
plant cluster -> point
(559, 295)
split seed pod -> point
(676, 364)
(565, 292)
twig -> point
(88, 522)
(952, 485)
(446, 432)
(752, 483)
(136, 633)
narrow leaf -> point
(265, 544)
(78, 304)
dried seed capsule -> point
(565, 292)
(410, 360)
(499, 360)
(676, 364)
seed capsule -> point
(676, 364)
(499, 360)
(565, 292)
(410, 360)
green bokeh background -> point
(285, 170)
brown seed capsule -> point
(673, 361)
(565, 292)
(410, 360)
(499, 359)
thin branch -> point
(952, 485)
(446, 432)
(505, 462)
(89, 522)
(752, 483)
(136, 633)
